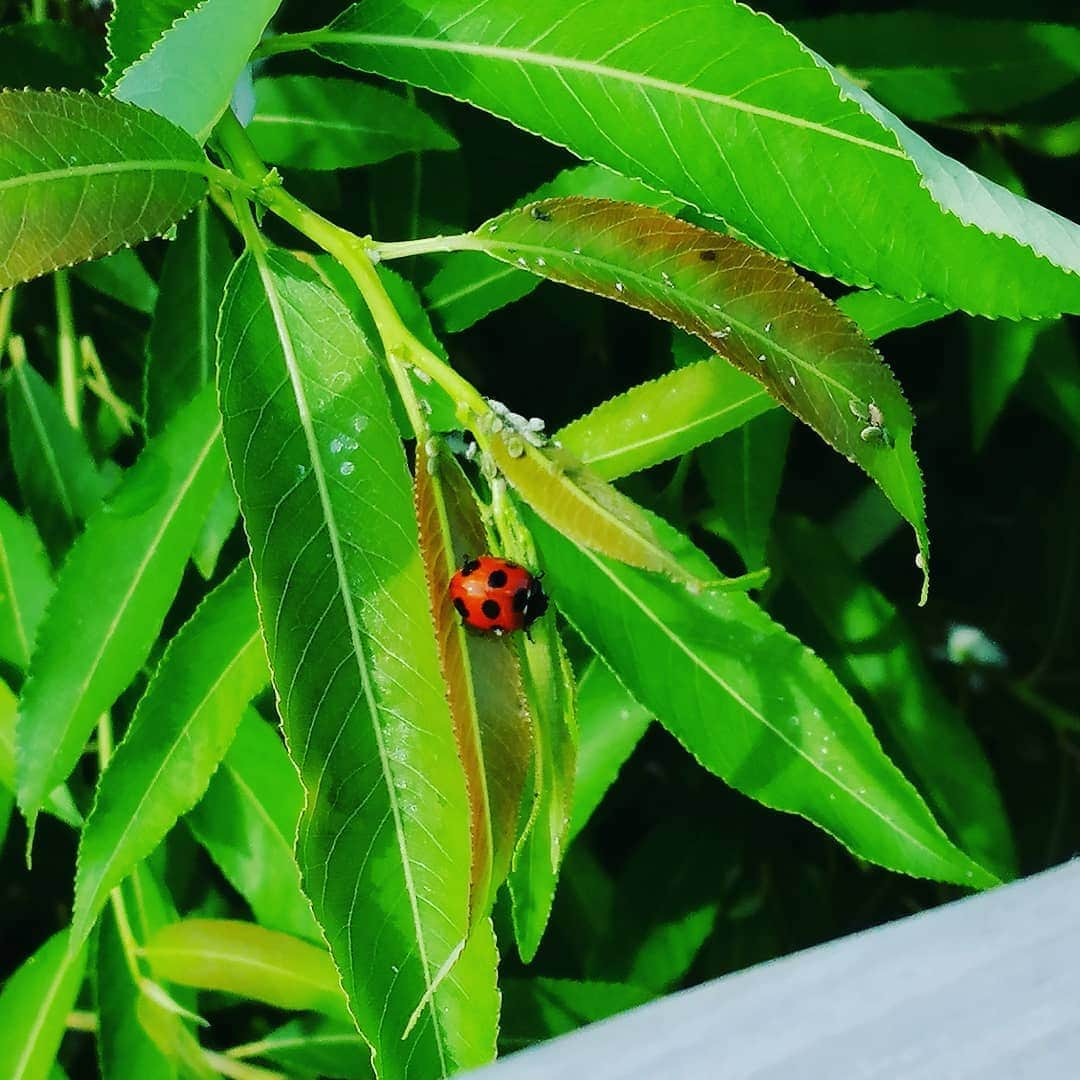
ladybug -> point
(496, 596)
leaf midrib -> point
(600, 71)
(106, 168)
(46, 446)
(16, 608)
(635, 600)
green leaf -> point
(1053, 383)
(998, 357)
(610, 724)
(724, 109)
(122, 277)
(573, 499)
(879, 653)
(248, 960)
(181, 729)
(59, 803)
(247, 822)
(81, 176)
(753, 310)
(25, 586)
(549, 691)
(57, 477)
(742, 475)
(221, 518)
(751, 703)
(311, 122)
(929, 65)
(190, 71)
(467, 287)
(661, 419)
(315, 1046)
(34, 1005)
(655, 934)
(124, 1047)
(134, 27)
(541, 1008)
(112, 596)
(877, 314)
(181, 347)
(37, 56)
(326, 497)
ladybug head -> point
(536, 603)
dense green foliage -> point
(683, 313)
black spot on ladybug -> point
(521, 598)
(491, 608)
(539, 214)
(462, 610)
(708, 255)
(497, 579)
(469, 566)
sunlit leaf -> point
(751, 704)
(665, 417)
(181, 729)
(134, 27)
(751, 308)
(467, 286)
(327, 502)
(610, 724)
(34, 1003)
(311, 122)
(877, 652)
(247, 822)
(25, 586)
(930, 65)
(81, 176)
(112, 596)
(877, 314)
(57, 476)
(742, 476)
(573, 499)
(725, 109)
(248, 960)
(189, 72)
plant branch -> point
(7, 309)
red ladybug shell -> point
(497, 596)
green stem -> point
(352, 252)
(7, 309)
(39, 11)
(425, 245)
(66, 347)
(285, 43)
(81, 1020)
(1058, 717)
(116, 897)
